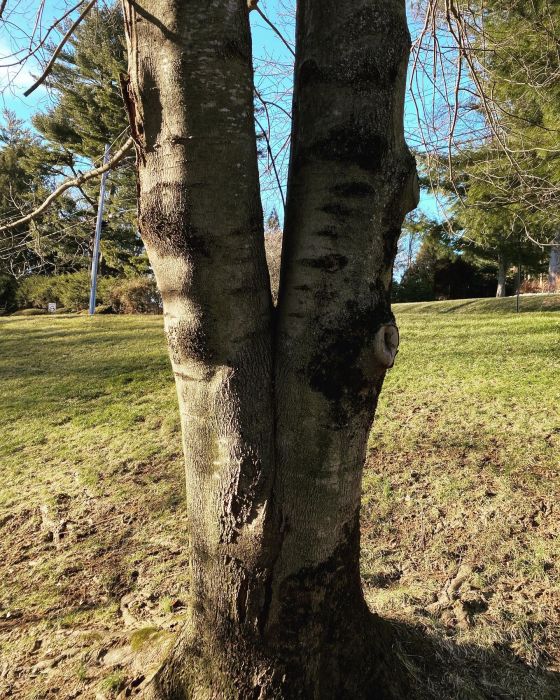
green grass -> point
(91, 437)
(82, 399)
(463, 469)
(528, 303)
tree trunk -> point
(554, 266)
(351, 181)
(502, 272)
(275, 416)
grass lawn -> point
(461, 518)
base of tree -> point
(360, 661)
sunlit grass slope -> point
(461, 533)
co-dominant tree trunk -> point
(276, 404)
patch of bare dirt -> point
(467, 554)
(93, 590)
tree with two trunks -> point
(276, 402)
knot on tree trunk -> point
(386, 345)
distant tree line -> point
(449, 264)
(498, 171)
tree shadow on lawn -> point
(443, 669)
(138, 571)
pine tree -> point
(89, 113)
(514, 179)
(49, 243)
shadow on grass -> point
(440, 668)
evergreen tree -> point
(51, 242)
(492, 227)
(89, 113)
(514, 178)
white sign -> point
(51, 307)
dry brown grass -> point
(461, 525)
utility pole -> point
(518, 284)
(95, 262)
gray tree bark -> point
(502, 272)
(276, 407)
(554, 265)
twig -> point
(59, 48)
(274, 29)
(73, 182)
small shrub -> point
(30, 312)
(104, 309)
(36, 292)
(71, 292)
(8, 289)
(136, 295)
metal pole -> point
(518, 284)
(95, 261)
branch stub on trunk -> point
(387, 345)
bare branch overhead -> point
(73, 182)
(59, 48)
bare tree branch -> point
(59, 48)
(272, 160)
(274, 29)
(73, 182)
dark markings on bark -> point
(150, 129)
(382, 63)
(309, 73)
(351, 143)
(269, 579)
(338, 370)
(353, 189)
(233, 49)
(390, 245)
(337, 209)
(243, 502)
(330, 263)
(405, 192)
(321, 606)
(242, 591)
(188, 340)
(328, 233)
(170, 233)
(325, 586)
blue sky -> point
(266, 45)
